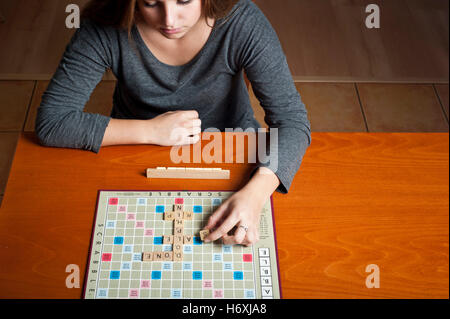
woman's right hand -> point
(175, 128)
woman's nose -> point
(169, 12)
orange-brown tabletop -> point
(359, 199)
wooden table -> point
(358, 199)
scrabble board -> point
(134, 252)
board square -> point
(114, 274)
(156, 275)
(238, 275)
(106, 257)
(113, 201)
(118, 240)
(197, 275)
(197, 240)
(198, 209)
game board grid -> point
(118, 231)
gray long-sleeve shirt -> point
(212, 83)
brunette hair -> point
(121, 13)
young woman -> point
(179, 64)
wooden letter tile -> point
(177, 256)
(168, 239)
(203, 234)
(168, 255)
(178, 214)
(178, 239)
(177, 248)
(169, 216)
(188, 215)
(158, 256)
(147, 256)
(178, 207)
(179, 231)
(178, 223)
(188, 240)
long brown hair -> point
(121, 13)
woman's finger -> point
(240, 233)
(217, 216)
(193, 131)
(236, 239)
(189, 140)
(228, 240)
(193, 123)
(190, 114)
(251, 238)
(223, 229)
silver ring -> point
(245, 227)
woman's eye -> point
(153, 4)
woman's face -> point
(172, 18)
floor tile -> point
(402, 108)
(442, 90)
(8, 142)
(99, 102)
(332, 107)
(15, 98)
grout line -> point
(29, 106)
(362, 109)
(440, 102)
(13, 131)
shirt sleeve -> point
(265, 64)
(60, 120)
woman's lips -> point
(171, 31)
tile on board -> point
(332, 107)
(15, 98)
(100, 101)
(442, 90)
(401, 108)
(8, 142)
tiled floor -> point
(332, 107)
(324, 39)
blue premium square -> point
(197, 240)
(160, 208)
(156, 274)
(118, 240)
(114, 274)
(238, 275)
(197, 275)
(198, 209)
(157, 240)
